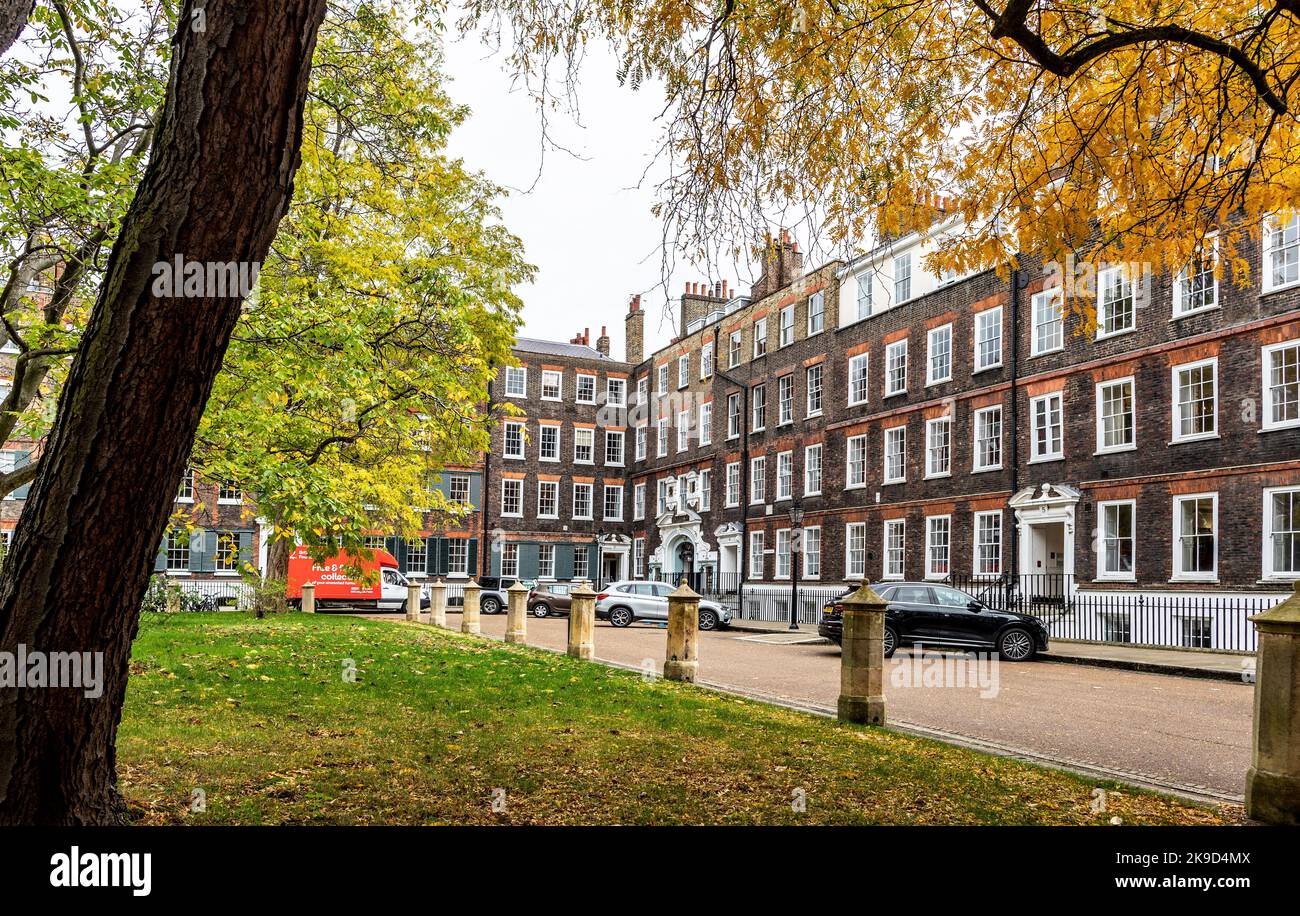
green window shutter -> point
(397, 547)
(245, 549)
(160, 561)
(21, 460)
(200, 553)
(473, 558)
(564, 561)
(475, 489)
(528, 561)
(441, 548)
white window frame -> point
(1181, 575)
(1265, 358)
(785, 327)
(859, 367)
(902, 278)
(976, 570)
(590, 490)
(554, 487)
(901, 430)
(552, 377)
(618, 385)
(606, 490)
(541, 441)
(810, 552)
(584, 432)
(756, 554)
(1035, 455)
(1272, 227)
(758, 408)
(735, 399)
(760, 337)
(513, 374)
(683, 430)
(809, 388)
(731, 494)
(638, 501)
(886, 550)
(517, 485)
(580, 381)
(1048, 297)
(978, 417)
(785, 399)
(784, 472)
(930, 427)
(613, 436)
(782, 554)
(809, 463)
(758, 480)
(1099, 398)
(855, 567)
(505, 440)
(1104, 574)
(930, 377)
(683, 370)
(642, 436)
(706, 360)
(1269, 571)
(856, 444)
(1176, 424)
(706, 423)
(981, 319)
(1181, 289)
(818, 312)
(932, 574)
(1105, 302)
(890, 366)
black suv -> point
(940, 615)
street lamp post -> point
(796, 542)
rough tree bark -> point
(220, 179)
(13, 17)
(277, 558)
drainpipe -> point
(485, 497)
(741, 557)
(1019, 280)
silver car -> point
(623, 602)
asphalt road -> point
(1187, 733)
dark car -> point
(939, 615)
(551, 598)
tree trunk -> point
(220, 179)
(13, 17)
(277, 558)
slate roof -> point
(555, 348)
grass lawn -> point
(259, 716)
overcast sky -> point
(586, 223)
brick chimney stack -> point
(699, 299)
(634, 331)
(782, 265)
(602, 342)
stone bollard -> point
(438, 603)
(174, 599)
(582, 621)
(682, 661)
(308, 598)
(862, 658)
(469, 612)
(1273, 780)
(517, 613)
(413, 596)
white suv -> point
(621, 603)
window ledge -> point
(1190, 312)
(1207, 437)
(1118, 450)
(988, 470)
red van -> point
(336, 588)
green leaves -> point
(360, 366)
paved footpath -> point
(1189, 735)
